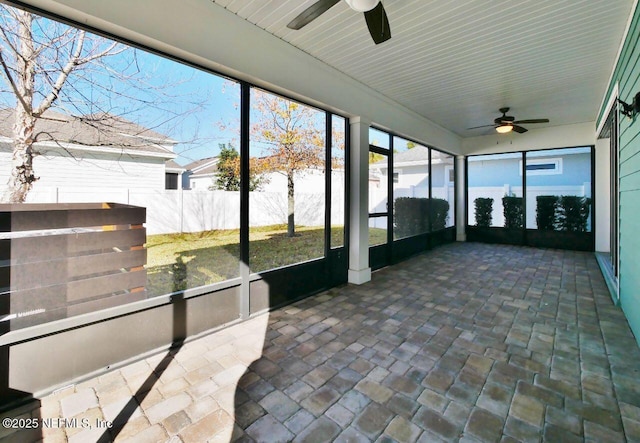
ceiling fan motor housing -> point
(504, 120)
(374, 14)
(362, 5)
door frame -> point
(380, 255)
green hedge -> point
(484, 208)
(573, 213)
(513, 212)
(564, 213)
(440, 213)
(411, 215)
(546, 208)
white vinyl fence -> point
(171, 211)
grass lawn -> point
(189, 260)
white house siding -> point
(201, 183)
(413, 181)
(93, 170)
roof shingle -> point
(97, 130)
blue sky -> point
(197, 108)
(211, 121)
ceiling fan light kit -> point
(504, 129)
(362, 5)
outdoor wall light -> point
(630, 110)
(362, 5)
(503, 129)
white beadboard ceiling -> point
(456, 62)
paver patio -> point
(468, 342)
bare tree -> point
(31, 62)
(295, 138)
(91, 81)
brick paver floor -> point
(469, 342)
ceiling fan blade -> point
(378, 24)
(311, 13)
(483, 126)
(535, 120)
(519, 129)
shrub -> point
(484, 208)
(546, 217)
(411, 215)
(573, 213)
(513, 213)
(565, 213)
(440, 213)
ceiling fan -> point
(507, 123)
(374, 14)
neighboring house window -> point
(396, 177)
(171, 180)
(450, 176)
(546, 166)
(541, 167)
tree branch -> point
(14, 87)
(62, 77)
(74, 61)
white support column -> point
(359, 270)
(461, 221)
